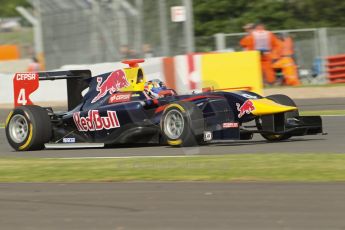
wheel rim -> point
(173, 124)
(18, 128)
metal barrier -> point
(336, 68)
(95, 31)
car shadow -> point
(129, 146)
(251, 142)
(214, 144)
(261, 142)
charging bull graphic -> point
(114, 82)
(246, 108)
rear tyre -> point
(182, 124)
(283, 100)
(28, 128)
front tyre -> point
(283, 100)
(182, 124)
(28, 128)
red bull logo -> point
(114, 82)
(94, 121)
(246, 108)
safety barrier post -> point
(336, 68)
(220, 41)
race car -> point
(121, 107)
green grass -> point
(24, 36)
(306, 86)
(322, 112)
(234, 167)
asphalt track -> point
(123, 206)
(320, 104)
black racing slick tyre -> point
(182, 124)
(283, 100)
(28, 128)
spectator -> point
(288, 49)
(246, 40)
(127, 53)
(124, 50)
(286, 63)
(132, 54)
(268, 45)
(34, 66)
(147, 51)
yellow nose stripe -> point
(265, 106)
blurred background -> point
(60, 32)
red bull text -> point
(114, 82)
(95, 122)
(246, 108)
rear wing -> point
(25, 84)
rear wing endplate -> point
(24, 84)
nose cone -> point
(265, 106)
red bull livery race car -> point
(122, 108)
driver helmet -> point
(156, 86)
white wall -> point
(56, 91)
(14, 66)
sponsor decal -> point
(246, 108)
(208, 136)
(248, 96)
(230, 125)
(114, 82)
(68, 140)
(26, 76)
(95, 122)
(119, 97)
(24, 84)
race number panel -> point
(24, 84)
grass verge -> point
(306, 86)
(24, 36)
(234, 167)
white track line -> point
(124, 157)
(332, 115)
